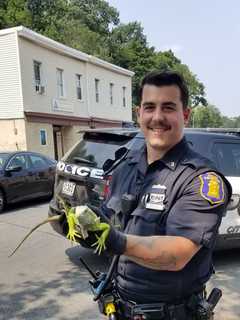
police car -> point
(80, 174)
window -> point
(124, 96)
(38, 162)
(19, 161)
(60, 83)
(227, 158)
(43, 137)
(37, 72)
(78, 86)
(38, 81)
(97, 89)
(111, 92)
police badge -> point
(155, 200)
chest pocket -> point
(145, 222)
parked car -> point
(80, 177)
(25, 175)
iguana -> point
(81, 220)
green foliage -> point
(231, 122)
(206, 117)
(168, 61)
(128, 48)
(13, 13)
(48, 18)
(97, 15)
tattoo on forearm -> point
(161, 261)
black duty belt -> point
(152, 311)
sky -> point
(205, 35)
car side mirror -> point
(108, 164)
(14, 169)
(234, 202)
(120, 152)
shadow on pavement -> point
(227, 278)
(51, 299)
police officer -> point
(177, 201)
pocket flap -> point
(147, 214)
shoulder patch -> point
(211, 187)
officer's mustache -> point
(160, 125)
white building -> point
(49, 91)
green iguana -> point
(81, 220)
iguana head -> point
(86, 217)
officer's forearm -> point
(160, 252)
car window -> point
(94, 151)
(227, 158)
(38, 162)
(19, 160)
(3, 158)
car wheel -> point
(2, 201)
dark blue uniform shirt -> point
(180, 195)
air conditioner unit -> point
(39, 89)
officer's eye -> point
(169, 107)
(149, 107)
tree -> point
(231, 122)
(129, 49)
(49, 18)
(206, 117)
(97, 15)
(168, 61)
(13, 13)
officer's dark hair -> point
(166, 78)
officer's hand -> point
(115, 241)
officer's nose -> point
(158, 114)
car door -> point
(18, 183)
(43, 174)
(227, 158)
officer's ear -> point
(186, 115)
(137, 113)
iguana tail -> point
(54, 218)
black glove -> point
(116, 240)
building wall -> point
(50, 62)
(33, 138)
(70, 105)
(29, 112)
(11, 105)
(103, 108)
(13, 135)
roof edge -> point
(63, 49)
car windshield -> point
(3, 158)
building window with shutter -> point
(124, 96)
(97, 89)
(111, 85)
(79, 86)
(60, 83)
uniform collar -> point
(171, 158)
(174, 155)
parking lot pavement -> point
(45, 280)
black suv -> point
(79, 175)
